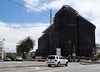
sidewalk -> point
(21, 64)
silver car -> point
(7, 59)
(18, 58)
(56, 60)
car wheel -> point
(58, 65)
(66, 64)
(49, 65)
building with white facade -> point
(97, 49)
(1, 49)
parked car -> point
(98, 60)
(56, 60)
(1, 59)
(42, 59)
(7, 59)
(18, 58)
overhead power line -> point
(35, 7)
(15, 27)
(28, 7)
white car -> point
(98, 60)
(18, 58)
(56, 60)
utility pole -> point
(74, 49)
(50, 16)
(51, 37)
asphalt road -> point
(72, 67)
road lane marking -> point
(32, 67)
(64, 68)
(35, 67)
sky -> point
(22, 18)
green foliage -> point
(28, 60)
(11, 56)
(99, 55)
(24, 46)
(33, 56)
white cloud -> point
(13, 35)
(31, 4)
(55, 4)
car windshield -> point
(51, 57)
(18, 57)
(7, 58)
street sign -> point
(73, 54)
(95, 55)
(58, 51)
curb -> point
(85, 63)
(22, 66)
(89, 63)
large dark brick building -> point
(70, 32)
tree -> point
(24, 46)
(99, 55)
(11, 56)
